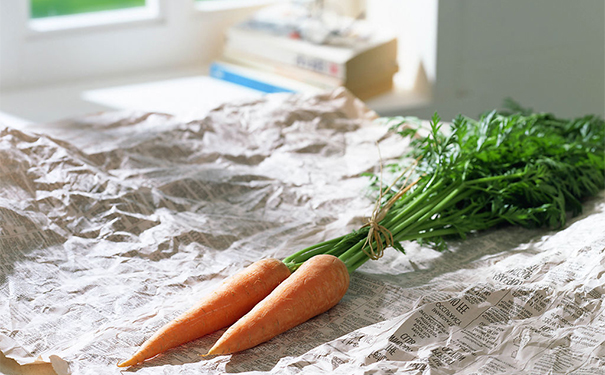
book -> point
(289, 71)
(295, 44)
(257, 80)
(379, 82)
(274, 83)
(363, 86)
(344, 62)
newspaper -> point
(115, 223)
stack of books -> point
(262, 58)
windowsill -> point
(405, 95)
(33, 106)
(223, 5)
(95, 20)
(187, 93)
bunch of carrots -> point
(512, 167)
(263, 300)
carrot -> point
(230, 301)
(314, 288)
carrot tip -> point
(130, 362)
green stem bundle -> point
(506, 168)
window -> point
(51, 8)
(44, 42)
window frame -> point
(164, 35)
(151, 12)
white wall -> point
(181, 36)
(415, 24)
(546, 54)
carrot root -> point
(318, 285)
(221, 308)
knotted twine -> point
(377, 232)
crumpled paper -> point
(114, 223)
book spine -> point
(286, 53)
(318, 65)
(222, 72)
(285, 70)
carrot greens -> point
(516, 167)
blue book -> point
(247, 77)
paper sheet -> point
(112, 224)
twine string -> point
(378, 233)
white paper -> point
(112, 224)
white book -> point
(380, 53)
(257, 80)
(282, 69)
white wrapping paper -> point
(112, 224)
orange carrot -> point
(314, 288)
(234, 298)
